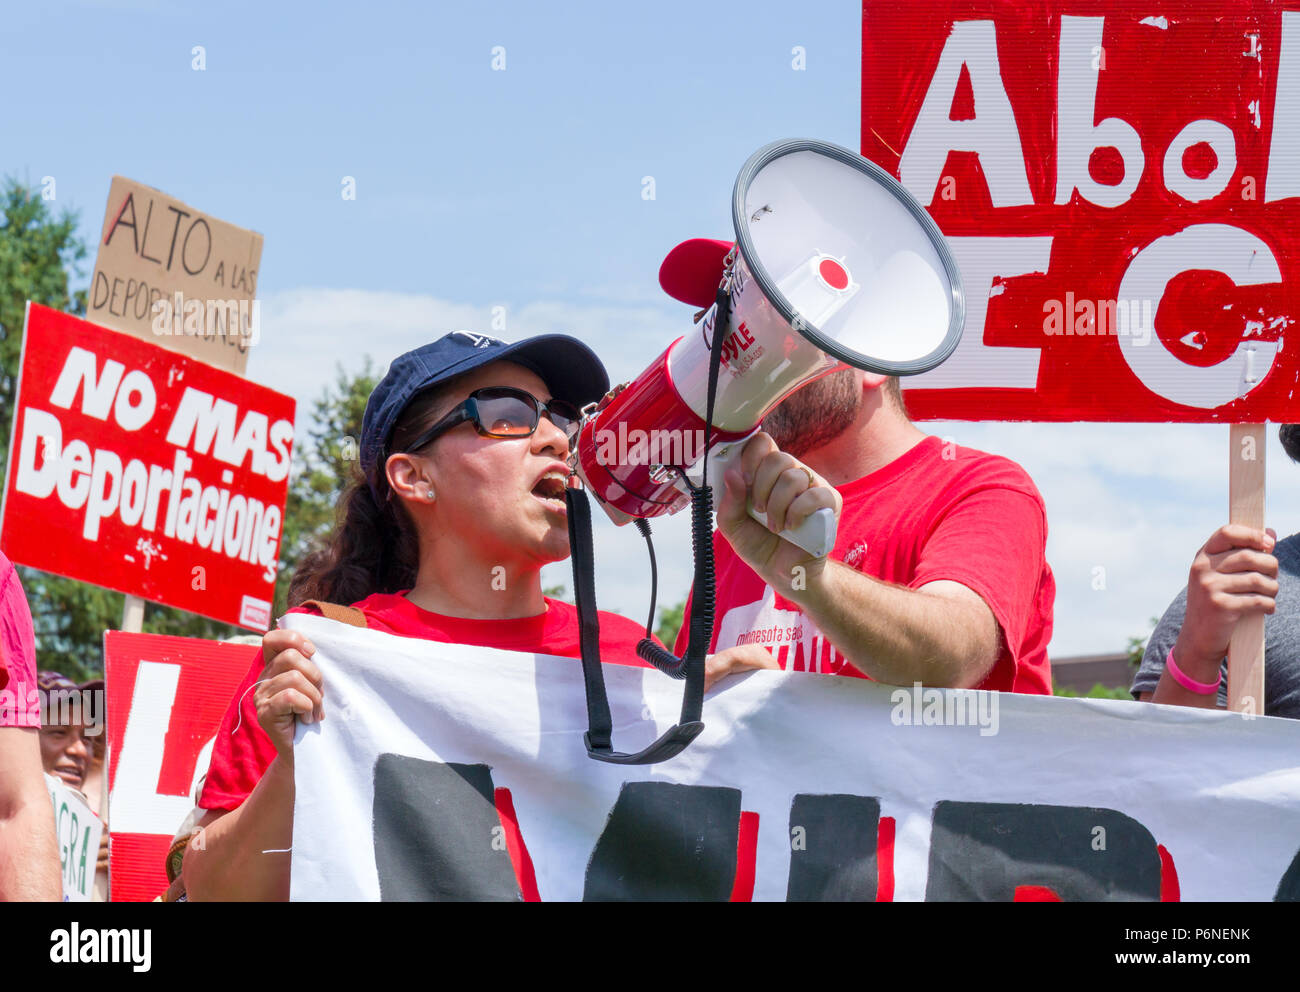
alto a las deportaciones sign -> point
(136, 468)
(162, 263)
(1121, 188)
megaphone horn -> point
(834, 264)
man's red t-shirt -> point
(240, 757)
(939, 511)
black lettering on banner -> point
(666, 842)
(984, 852)
(435, 825)
(1288, 890)
(835, 858)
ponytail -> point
(372, 549)
(374, 546)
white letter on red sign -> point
(1220, 138)
(43, 432)
(137, 806)
(992, 135)
(975, 364)
(1284, 152)
(1244, 259)
(1076, 109)
(79, 371)
(133, 416)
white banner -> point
(77, 830)
(449, 772)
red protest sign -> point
(1121, 189)
(166, 698)
(135, 468)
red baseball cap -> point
(692, 271)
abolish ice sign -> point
(135, 468)
(1121, 189)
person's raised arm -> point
(1233, 575)
(244, 853)
(29, 856)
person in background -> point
(65, 746)
(73, 751)
(1239, 572)
(29, 856)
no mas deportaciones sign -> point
(135, 468)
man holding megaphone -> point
(848, 541)
(938, 575)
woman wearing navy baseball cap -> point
(458, 505)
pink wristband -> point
(1186, 681)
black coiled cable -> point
(702, 592)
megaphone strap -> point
(599, 736)
(599, 722)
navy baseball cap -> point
(569, 368)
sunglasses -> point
(505, 412)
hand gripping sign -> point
(135, 468)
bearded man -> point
(938, 574)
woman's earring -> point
(428, 494)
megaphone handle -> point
(816, 535)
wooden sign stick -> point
(1246, 506)
(133, 614)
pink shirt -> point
(19, 702)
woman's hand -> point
(292, 688)
(731, 661)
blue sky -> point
(522, 188)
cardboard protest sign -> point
(166, 698)
(1121, 189)
(135, 468)
(450, 772)
(76, 831)
(176, 276)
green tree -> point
(38, 253)
(670, 622)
